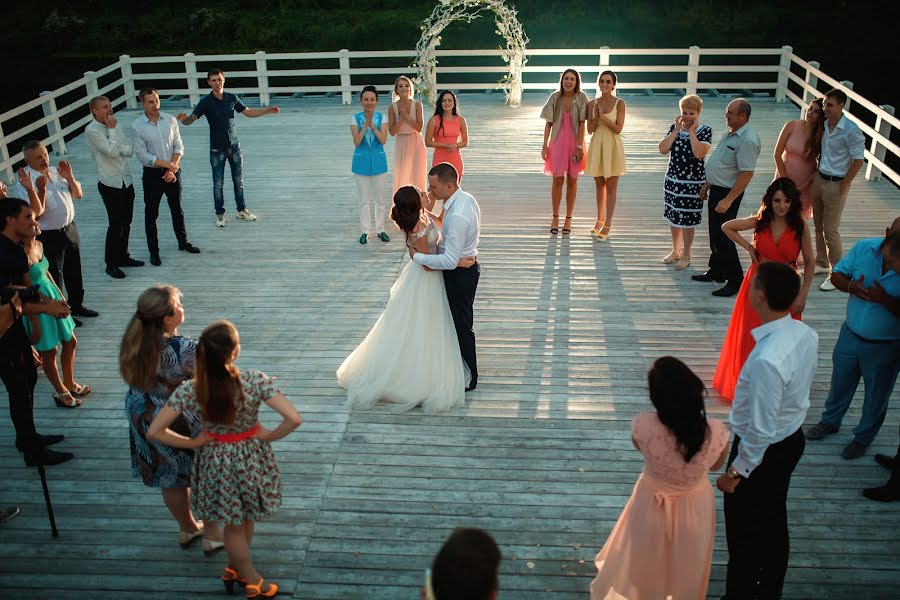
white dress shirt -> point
(772, 393)
(841, 146)
(110, 149)
(158, 140)
(461, 230)
(58, 208)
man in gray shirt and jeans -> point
(728, 172)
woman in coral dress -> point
(797, 151)
(606, 154)
(563, 149)
(405, 124)
(779, 234)
(447, 132)
(661, 547)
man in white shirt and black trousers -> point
(770, 404)
(461, 231)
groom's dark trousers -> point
(461, 285)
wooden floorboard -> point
(540, 455)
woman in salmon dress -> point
(405, 123)
(661, 546)
(779, 234)
(797, 152)
(447, 132)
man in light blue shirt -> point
(869, 343)
(770, 404)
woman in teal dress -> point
(48, 332)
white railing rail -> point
(686, 70)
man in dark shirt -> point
(219, 107)
(17, 368)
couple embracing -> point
(421, 350)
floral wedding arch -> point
(508, 26)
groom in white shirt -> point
(770, 404)
(461, 230)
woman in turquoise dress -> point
(236, 479)
(47, 333)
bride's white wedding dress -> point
(411, 355)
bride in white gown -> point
(411, 355)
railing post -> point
(128, 81)
(4, 155)
(604, 62)
(784, 67)
(873, 173)
(344, 65)
(53, 127)
(692, 74)
(262, 78)
(813, 80)
(91, 84)
(190, 68)
(849, 86)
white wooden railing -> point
(769, 70)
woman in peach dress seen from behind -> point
(662, 544)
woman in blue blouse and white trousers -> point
(370, 130)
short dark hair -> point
(30, 145)
(465, 567)
(368, 88)
(780, 283)
(743, 106)
(839, 96)
(215, 71)
(97, 100)
(146, 92)
(445, 173)
(11, 208)
(891, 244)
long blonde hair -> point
(144, 337)
(412, 89)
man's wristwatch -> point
(732, 473)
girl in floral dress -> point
(236, 479)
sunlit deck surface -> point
(540, 455)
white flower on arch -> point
(508, 26)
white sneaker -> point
(827, 286)
(220, 220)
(819, 270)
(246, 215)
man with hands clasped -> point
(729, 170)
(868, 346)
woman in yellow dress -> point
(606, 155)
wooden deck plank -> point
(540, 455)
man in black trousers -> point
(890, 491)
(17, 368)
(770, 404)
(461, 232)
(729, 170)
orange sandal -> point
(229, 578)
(254, 590)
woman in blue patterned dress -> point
(154, 360)
(687, 143)
(237, 479)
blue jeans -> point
(878, 364)
(235, 160)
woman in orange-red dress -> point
(779, 234)
(447, 132)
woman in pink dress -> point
(405, 123)
(563, 149)
(661, 546)
(447, 132)
(797, 152)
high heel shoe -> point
(603, 236)
(229, 578)
(554, 227)
(254, 590)
(597, 228)
(186, 538)
(210, 547)
(73, 402)
(567, 230)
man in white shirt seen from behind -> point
(841, 157)
(111, 149)
(770, 404)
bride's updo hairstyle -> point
(407, 209)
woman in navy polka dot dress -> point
(687, 143)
